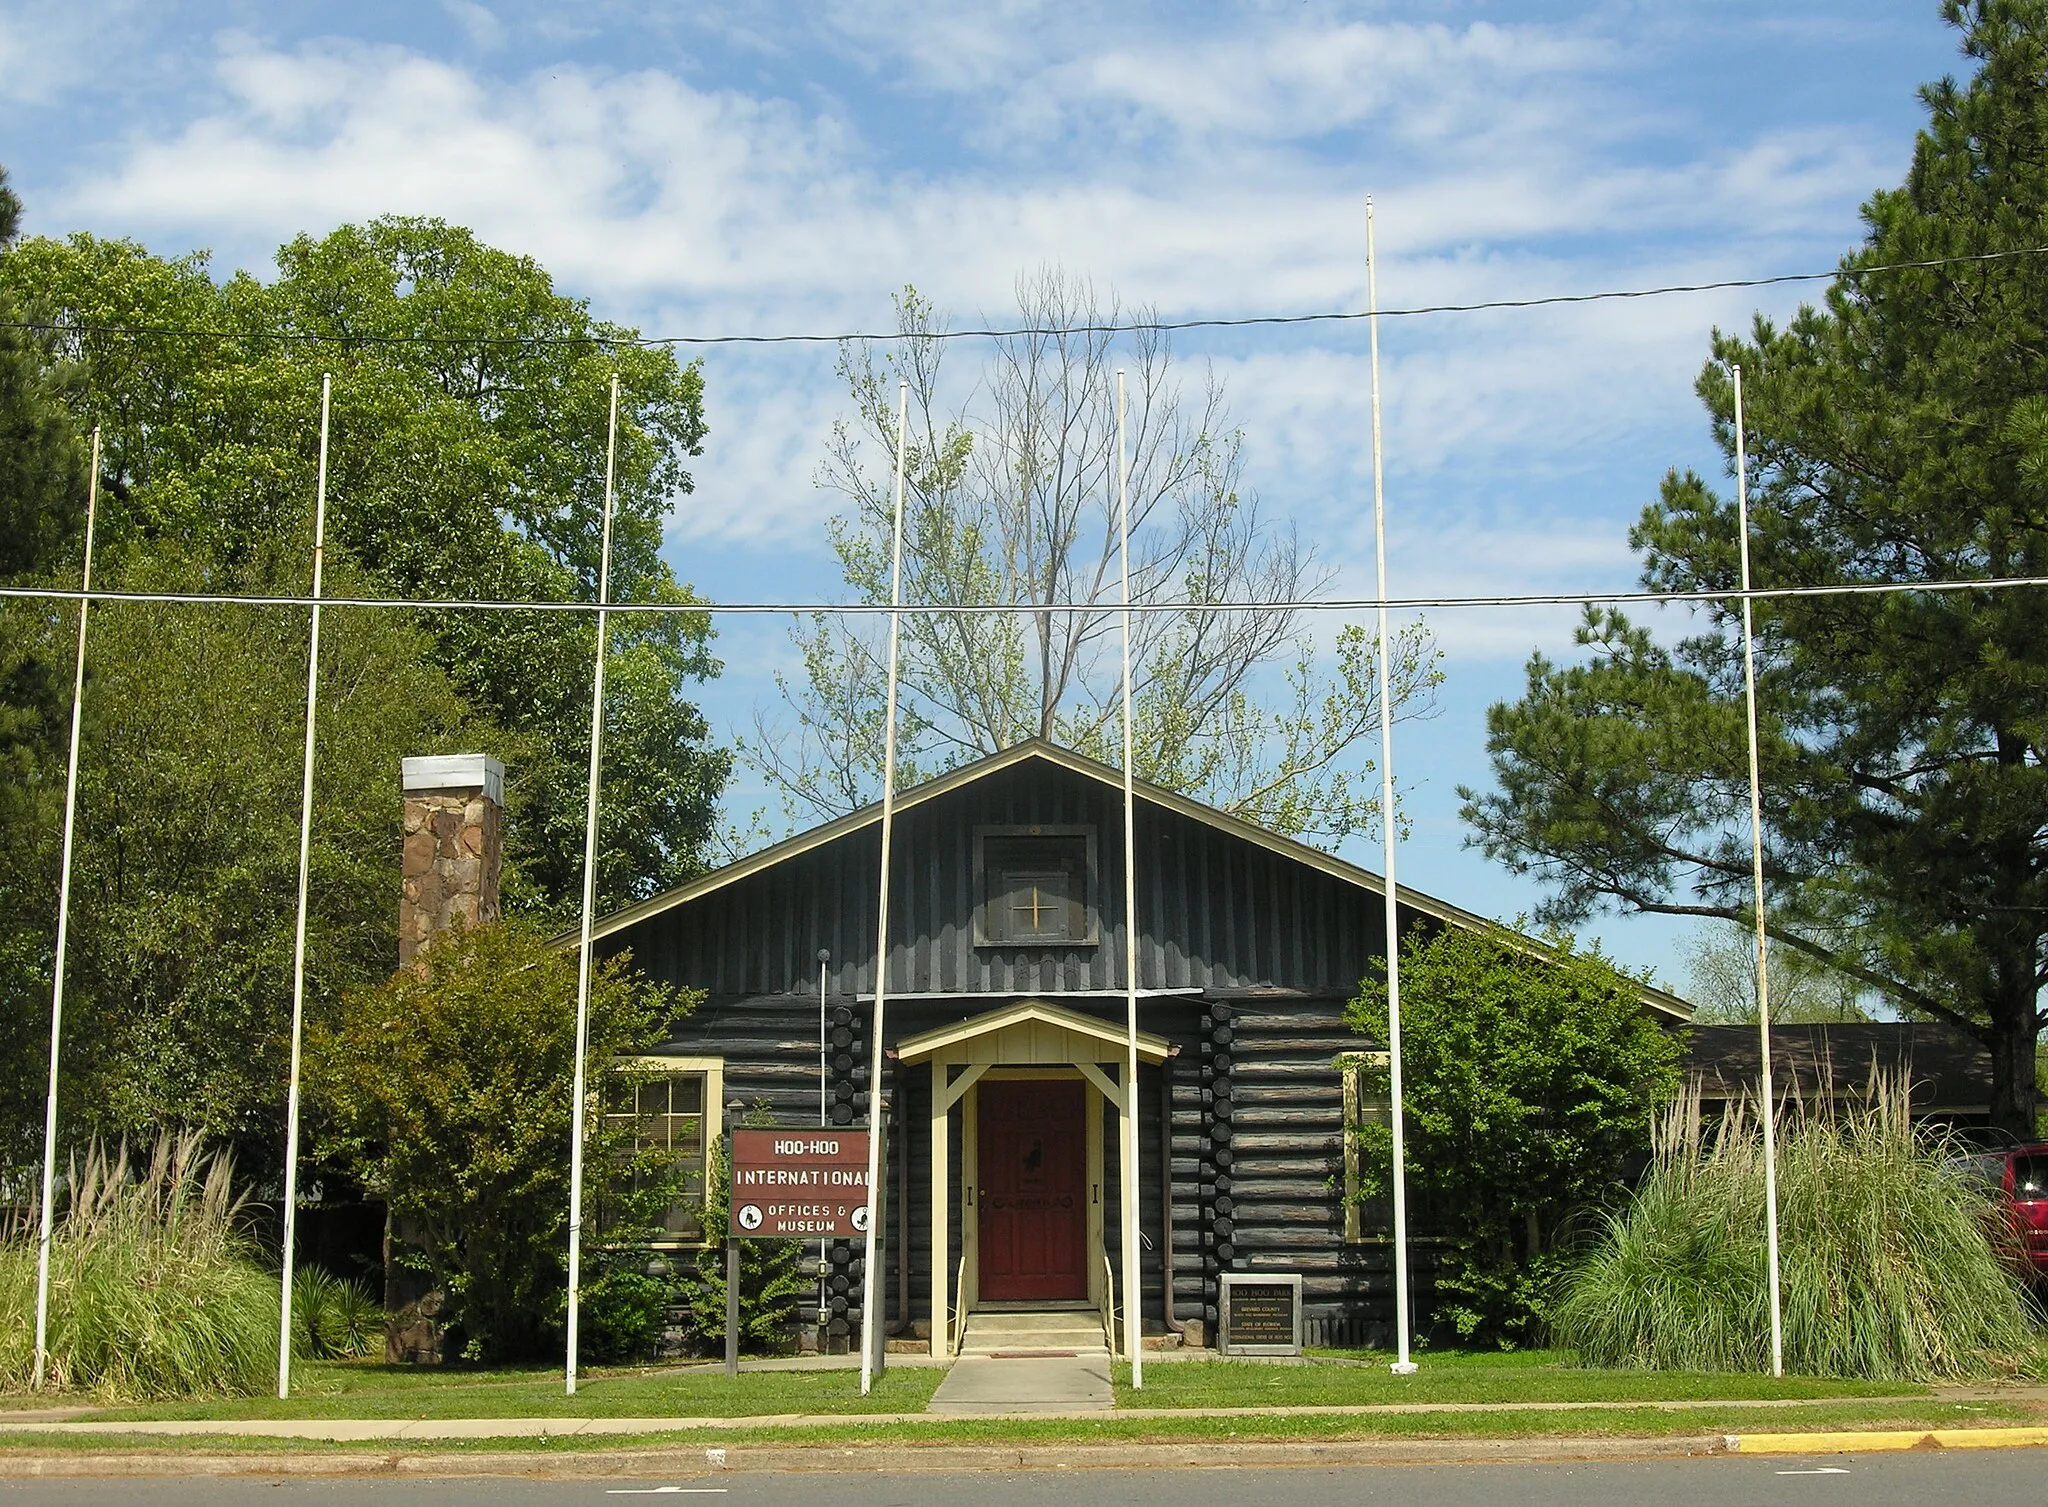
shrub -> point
(772, 1284)
(1530, 1082)
(620, 1308)
(336, 1319)
(155, 1288)
(1891, 1267)
(446, 1090)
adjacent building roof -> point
(1950, 1073)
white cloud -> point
(48, 50)
(483, 29)
(693, 209)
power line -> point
(1140, 326)
(986, 609)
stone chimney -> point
(454, 820)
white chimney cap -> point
(455, 772)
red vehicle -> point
(2021, 1174)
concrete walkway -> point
(1070, 1384)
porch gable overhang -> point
(1030, 1031)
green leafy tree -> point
(1530, 1081)
(1897, 435)
(1013, 502)
(1722, 984)
(469, 428)
(42, 502)
(446, 1091)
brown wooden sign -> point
(799, 1184)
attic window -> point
(1036, 886)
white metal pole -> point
(871, 1280)
(824, 1118)
(1134, 1332)
(48, 1226)
(291, 1112)
(604, 589)
(1756, 863)
(1403, 1365)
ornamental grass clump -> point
(155, 1288)
(1892, 1267)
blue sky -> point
(788, 166)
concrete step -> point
(996, 1333)
(1037, 1344)
(997, 1321)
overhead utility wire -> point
(984, 609)
(1139, 326)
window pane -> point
(686, 1094)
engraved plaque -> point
(1261, 1315)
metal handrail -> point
(1109, 1303)
(959, 1323)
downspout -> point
(902, 1223)
(1173, 1325)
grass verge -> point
(938, 1433)
(1450, 1376)
(345, 1389)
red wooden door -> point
(1034, 1194)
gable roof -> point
(1662, 1001)
(1028, 1013)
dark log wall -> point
(1273, 946)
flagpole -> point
(1134, 1332)
(291, 1113)
(604, 589)
(871, 1283)
(1756, 862)
(48, 1225)
(1404, 1365)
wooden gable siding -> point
(1215, 911)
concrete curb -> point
(699, 1463)
(365, 1430)
(1847, 1442)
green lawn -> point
(361, 1389)
(1458, 1376)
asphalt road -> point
(1892, 1480)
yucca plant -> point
(1892, 1267)
(336, 1319)
(155, 1288)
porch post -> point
(1127, 1213)
(942, 1332)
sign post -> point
(789, 1185)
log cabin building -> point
(1004, 1045)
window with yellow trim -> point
(670, 1105)
(1368, 1105)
